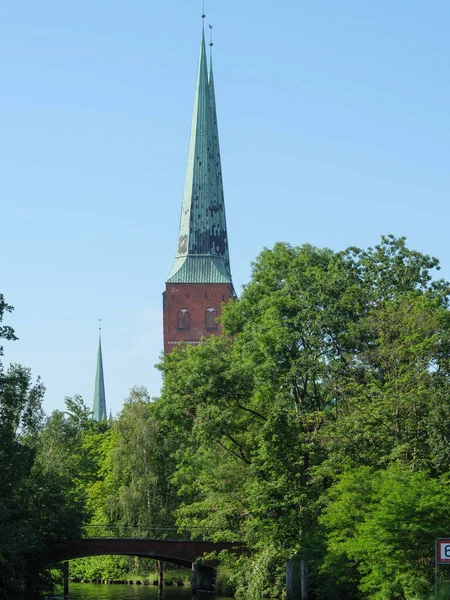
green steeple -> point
(202, 253)
(99, 408)
(217, 161)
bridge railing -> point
(156, 533)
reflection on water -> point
(90, 591)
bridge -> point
(184, 552)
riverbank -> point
(177, 579)
(81, 571)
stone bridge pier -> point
(203, 578)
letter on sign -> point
(443, 548)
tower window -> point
(184, 319)
(210, 318)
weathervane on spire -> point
(99, 325)
(203, 12)
(210, 36)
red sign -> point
(443, 551)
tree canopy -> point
(314, 429)
(331, 365)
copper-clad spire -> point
(202, 253)
(99, 408)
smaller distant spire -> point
(99, 408)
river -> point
(90, 591)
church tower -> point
(99, 405)
(200, 280)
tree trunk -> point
(290, 579)
(304, 579)
(160, 575)
(194, 578)
(65, 570)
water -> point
(90, 591)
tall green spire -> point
(99, 408)
(202, 253)
(216, 160)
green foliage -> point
(100, 567)
(125, 471)
(39, 506)
(380, 530)
(20, 412)
(78, 414)
(314, 429)
(391, 398)
(225, 585)
(443, 593)
(329, 363)
(140, 492)
(6, 331)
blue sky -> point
(334, 126)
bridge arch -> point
(180, 552)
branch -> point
(240, 456)
(253, 412)
(241, 453)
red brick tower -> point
(201, 277)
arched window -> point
(184, 319)
(210, 318)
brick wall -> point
(192, 300)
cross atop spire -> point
(202, 253)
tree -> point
(381, 526)
(140, 490)
(328, 361)
(6, 331)
(20, 412)
(37, 507)
(254, 402)
(392, 399)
